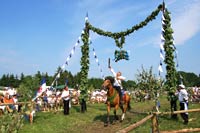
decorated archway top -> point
(119, 37)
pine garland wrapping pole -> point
(84, 67)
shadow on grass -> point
(77, 108)
(103, 118)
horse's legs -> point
(115, 112)
(108, 116)
(123, 108)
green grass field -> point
(93, 120)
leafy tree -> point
(4, 80)
(147, 82)
(38, 75)
(77, 80)
(129, 85)
(22, 77)
(28, 88)
(95, 82)
(189, 78)
(65, 76)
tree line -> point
(145, 80)
(188, 78)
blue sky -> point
(38, 35)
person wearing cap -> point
(183, 99)
(66, 97)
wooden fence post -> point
(155, 128)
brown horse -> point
(113, 100)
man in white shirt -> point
(66, 97)
(183, 99)
(118, 82)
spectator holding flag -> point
(41, 89)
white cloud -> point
(187, 23)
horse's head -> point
(108, 82)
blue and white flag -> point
(41, 89)
(43, 85)
(86, 17)
(160, 70)
(72, 51)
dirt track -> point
(98, 126)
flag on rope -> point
(97, 60)
(58, 75)
(41, 89)
(67, 61)
(160, 70)
(43, 85)
(160, 67)
(72, 51)
(86, 17)
(161, 55)
(175, 53)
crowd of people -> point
(194, 94)
(8, 96)
(55, 99)
(61, 99)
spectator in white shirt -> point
(66, 97)
(183, 99)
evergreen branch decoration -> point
(119, 43)
(84, 63)
(169, 53)
(121, 35)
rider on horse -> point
(118, 82)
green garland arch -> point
(119, 38)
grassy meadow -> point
(93, 120)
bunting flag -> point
(177, 63)
(97, 61)
(161, 55)
(41, 89)
(160, 67)
(72, 51)
(69, 56)
(162, 58)
(175, 54)
(67, 61)
(86, 17)
(43, 85)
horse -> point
(113, 100)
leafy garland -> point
(84, 63)
(171, 79)
(119, 37)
